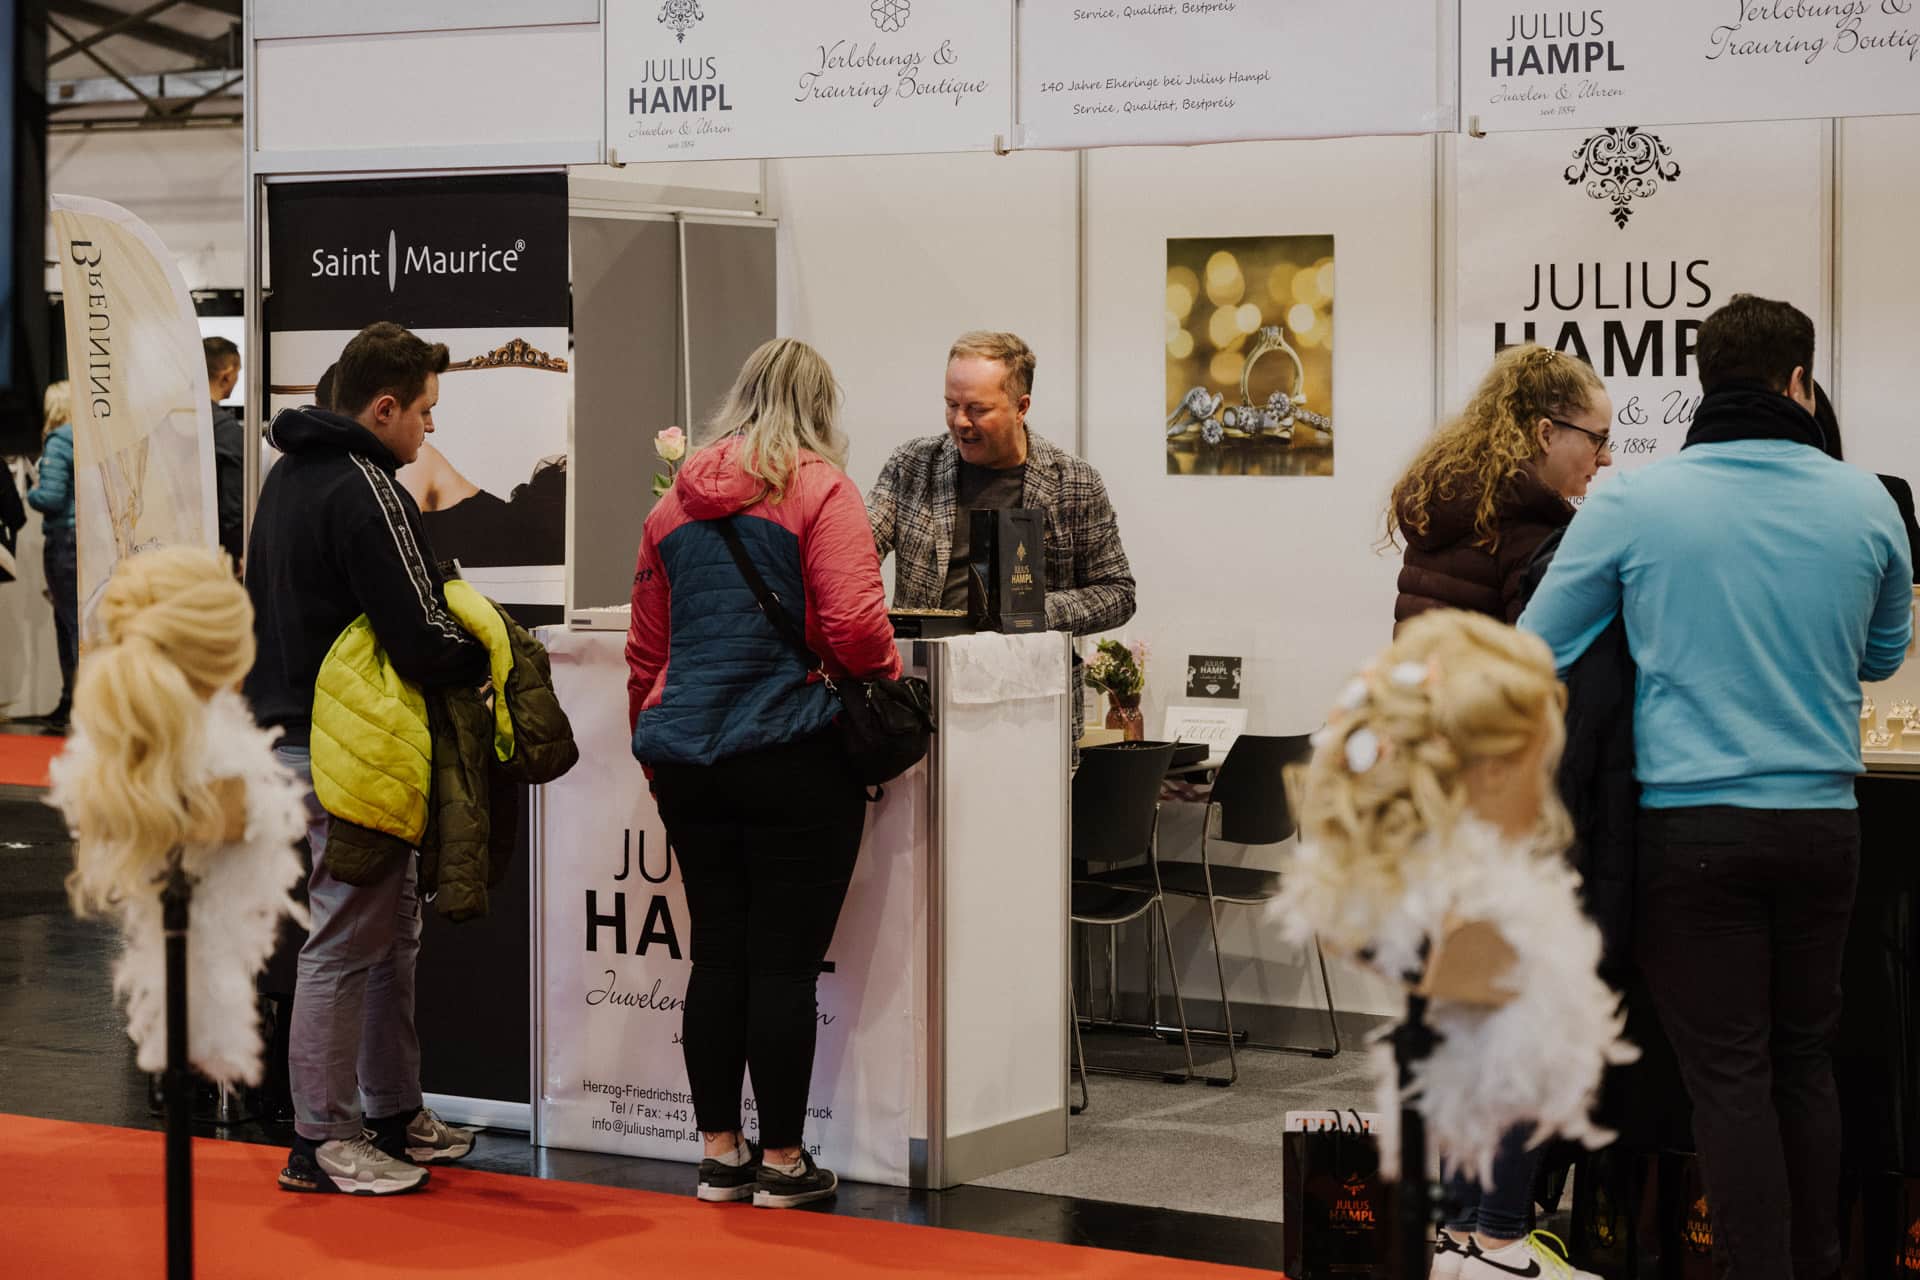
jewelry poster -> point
(1614, 245)
(1249, 345)
(479, 263)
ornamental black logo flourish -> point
(890, 15)
(679, 17)
(1621, 165)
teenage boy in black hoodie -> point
(334, 537)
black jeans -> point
(1501, 1209)
(1742, 926)
(767, 843)
(61, 558)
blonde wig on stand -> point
(172, 629)
(784, 400)
(1395, 860)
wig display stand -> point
(1411, 1251)
(176, 897)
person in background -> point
(1479, 499)
(52, 497)
(990, 459)
(1761, 582)
(1488, 487)
(754, 785)
(334, 537)
(1898, 489)
(229, 443)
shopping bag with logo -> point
(1899, 1239)
(1335, 1212)
(1685, 1220)
(1613, 1233)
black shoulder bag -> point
(885, 724)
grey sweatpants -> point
(353, 1051)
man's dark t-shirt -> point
(977, 489)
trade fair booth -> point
(603, 205)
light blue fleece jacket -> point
(1761, 581)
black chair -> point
(1246, 805)
(1116, 807)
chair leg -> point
(1326, 986)
(1173, 978)
(1226, 1006)
(1079, 1059)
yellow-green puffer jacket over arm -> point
(372, 749)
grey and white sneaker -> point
(352, 1165)
(422, 1137)
(775, 1188)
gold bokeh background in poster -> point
(1220, 292)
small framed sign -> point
(1209, 676)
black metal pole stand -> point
(1412, 1251)
(176, 895)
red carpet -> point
(85, 1200)
(24, 757)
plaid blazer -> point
(911, 508)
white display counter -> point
(943, 1009)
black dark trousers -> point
(1742, 924)
(767, 843)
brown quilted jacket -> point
(1449, 567)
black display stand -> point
(1411, 1251)
(176, 897)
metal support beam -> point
(135, 26)
(104, 65)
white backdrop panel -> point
(1108, 74)
(1877, 294)
(447, 99)
(1524, 66)
(1280, 570)
(731, 78)
(1626, 281)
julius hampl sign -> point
(1686, 61)
(615, 955)
(1111, 74)
(731, 79)
(1612, 245)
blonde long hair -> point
(56, 407)
(1493, 438)
(1455, 689)
(174, 628)
(784, 401)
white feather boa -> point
(1536, 1060)
(240, 892)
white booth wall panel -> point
(430, 99)
(187, 184)
(884, 260)
(1280, 570)
(1877, 297)
(274, 19)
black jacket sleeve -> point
(1902, 493)
(398, 588)
(229, 480)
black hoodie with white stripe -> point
(335, 537)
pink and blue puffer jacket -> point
(732, 684)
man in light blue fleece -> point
(1761, 582)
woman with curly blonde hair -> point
(1488, 487)
(1430, 846)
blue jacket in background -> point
(53, 495)
(1761, 582)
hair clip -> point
(1411, 675)
(1364, 750)
(1354, 696)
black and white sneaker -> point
(352, 1165)
(423, 1138)
(775, 1188)
(1532, 1258)
(723, 1183)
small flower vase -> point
(1123, 713)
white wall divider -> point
(1097, 74)
(1526, 66)
(726, 79)
(1876, 294)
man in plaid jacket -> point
(989, 459)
